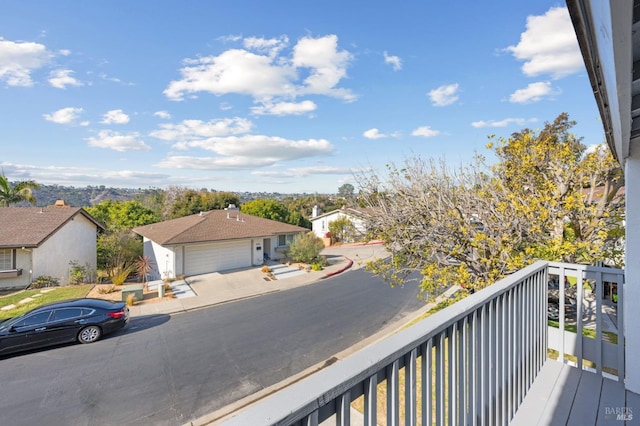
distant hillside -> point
(84, 197)
(91, 195)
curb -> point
(183, 309)
(339, 271)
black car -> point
(82, 320)
(553, 300)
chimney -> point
(61, 203)
(232, 207)
(314, 212)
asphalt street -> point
(169, 369)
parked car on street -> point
(553, 300)
(82, 320)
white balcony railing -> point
(471, 363)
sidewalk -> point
(223, 287)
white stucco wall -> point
(631, 287)
(163, 260)
(75, 241)
(320, 225)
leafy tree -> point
(341, 229)
(118, 248)
(444, 225)
(16, 193)
(305, 248)
(573, 193)
(266, 208)
(346, 191)
(304, 205)
(123, 215)
(190, 202)
(545, 198)
(295, 218)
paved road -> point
(167, 370)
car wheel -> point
(553, 311)
(89, 334)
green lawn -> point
(58, 293)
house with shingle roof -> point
(357, 217)
(213, 241)
(43, 241)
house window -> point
(284, 240)
(6, 259)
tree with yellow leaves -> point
(546, 197)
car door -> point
(64, 324)
(29, 332)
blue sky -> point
(278, 96)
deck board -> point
(565, 395)
(585, 404)
(612, 396)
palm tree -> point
(12, 194)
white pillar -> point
(632, 272)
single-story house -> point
(357, 217)
(213, 241)
(43, 241)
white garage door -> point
(202, 259)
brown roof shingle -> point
(31, 226)
(214, 225)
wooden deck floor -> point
(565, 395)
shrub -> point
(77, 273)
(107, 290)
(305, 248)
(315, 266)
(131, 299)
(44, 281)
(143, 267)
(119, 274)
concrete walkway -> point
(222, 287)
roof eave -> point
(607, 54)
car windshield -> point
(4, 323)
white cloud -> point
(18, 59)
(115, 116)
(261, 146)
(500, 123)
(118, 142)
(444, 95)
(162, 114)
(308, 171)
(549, 45)
(246, 152)
(327, 66)
(394, 61)
(64, 115)
(425, 131)
(271, 46)
(267, 75)
(81, 176)
(284, 108)
(62, 78)
(534, 92)
(189, 130)
(213, 163)
(233, 71)
(373, 134)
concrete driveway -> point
(227, 286)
